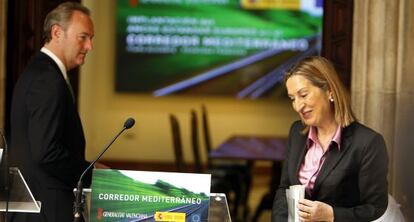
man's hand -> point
(99, 165)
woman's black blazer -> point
(353, 179)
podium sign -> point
(20, 198)
(123, 195)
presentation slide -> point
(234, 48)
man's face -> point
(77, 40)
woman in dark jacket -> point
(342, 163)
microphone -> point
(78, 205)
(129, 123)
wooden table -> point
(253, 148)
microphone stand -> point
(79, 204)
(6, 175)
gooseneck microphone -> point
(79, 203)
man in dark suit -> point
(47, 139)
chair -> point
(217, 185)
(266, 203)
(177, 144)
(240, 170)
(221, 182)
(392, 213)
(195, 145)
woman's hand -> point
(315, 211)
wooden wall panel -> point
(337, 36)
(24, 38)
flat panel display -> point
(235, 48)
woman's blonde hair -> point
(322, 74)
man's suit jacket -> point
(47, 140)
(353, 179)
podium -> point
(20, 198)
(218, 210)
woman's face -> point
(312, 103)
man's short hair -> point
(61, 16)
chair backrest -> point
(392, 213)
(195, 142)
(206, 132)
(177, 144)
